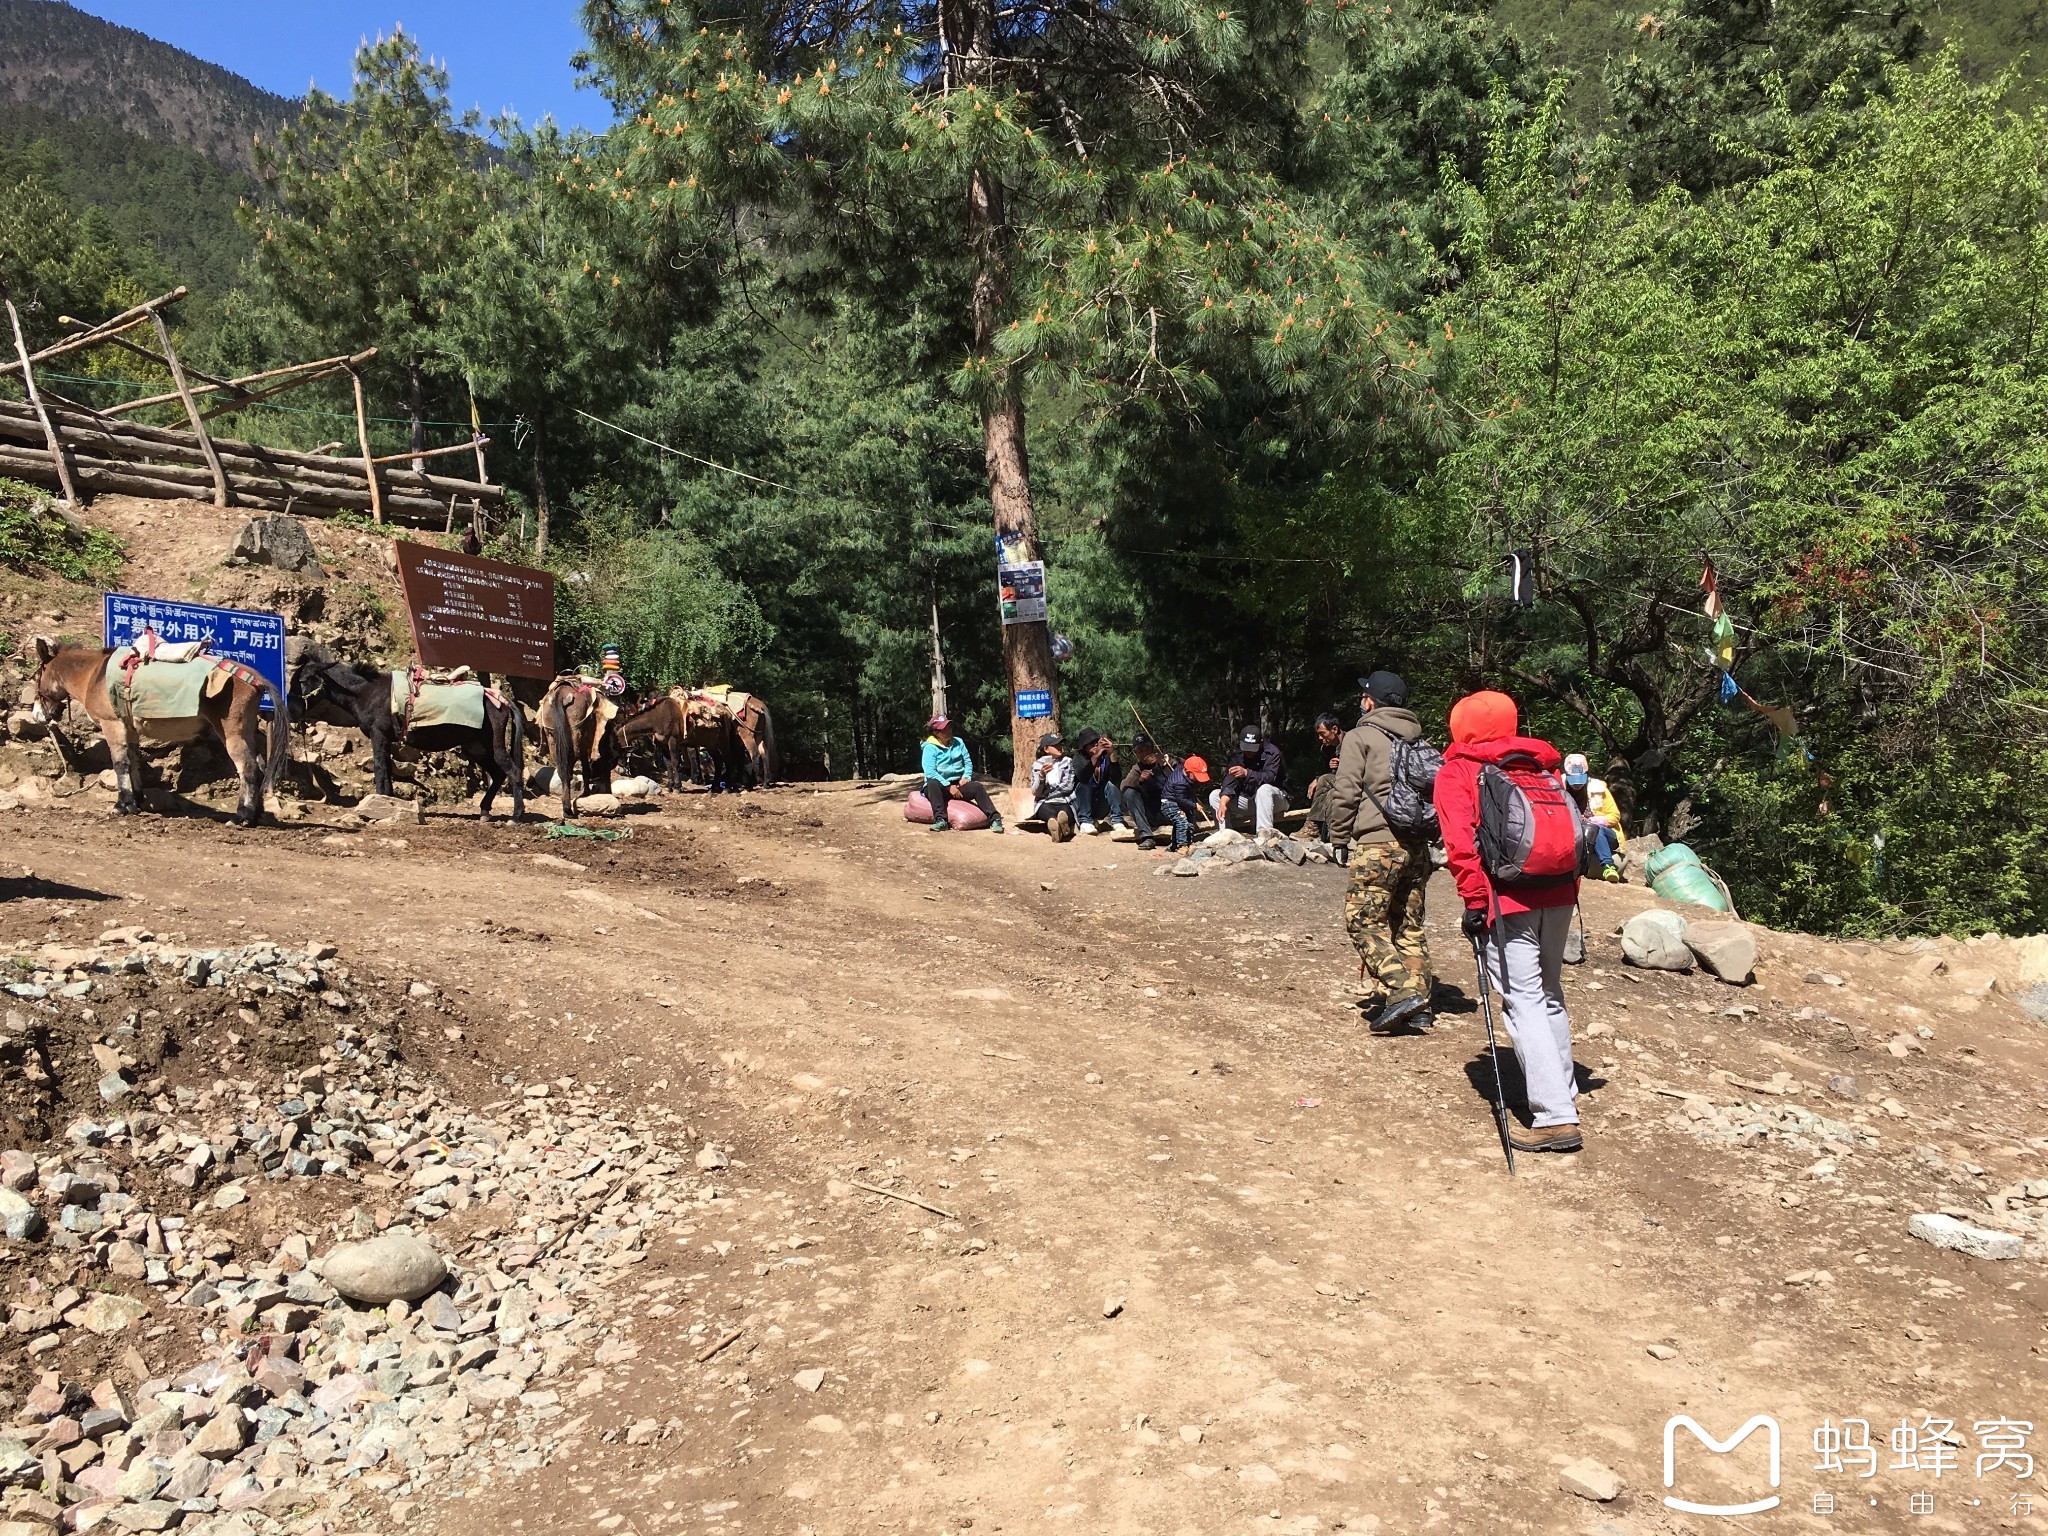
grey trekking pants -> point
(1525, 960)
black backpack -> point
(1410, 807)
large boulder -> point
(1655, 940)
(1726, 950)
(280, 541)
(394, 1267)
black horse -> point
(341, 694)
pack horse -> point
(461, 715)
(167, 695)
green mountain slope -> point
(171, 208)
(57, 58)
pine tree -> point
(371, 201)
(1096, 193)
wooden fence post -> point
(222, 496)
(363, 437)
(35, 398)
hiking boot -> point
(1401, 1013)
(1547, 1138)
(1060, 825)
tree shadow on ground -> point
(34, 887)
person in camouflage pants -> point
(1383, 915)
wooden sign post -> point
(468, 611)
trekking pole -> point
(1500, 1097)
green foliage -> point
(171, 210)
(33, 539)
(1824, 380)
(1711, 84)
(53, 261)
(657, 595)
(371, 201)
(1897, 834)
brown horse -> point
(756, 728)
(77, 674)
(681, 728)
(753, 727)
(572, 733)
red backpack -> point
(1530, 831)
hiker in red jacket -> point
(1519, 928)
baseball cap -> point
(1575, 769)
(1250, 738)
(1196, 769)
(1385, 688)
(938, 723)
(1143, 743)
(1051, 739)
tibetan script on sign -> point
(471, 612)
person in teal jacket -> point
(949, 775)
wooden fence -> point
(79, 450)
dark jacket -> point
(1365, 761)
(1457, 811)
(1097, 771)
(1147, 779)
(1182, 790)
(1269, 768)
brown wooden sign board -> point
(467, 611)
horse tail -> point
(768, 754)
(565, 749)
(280, 740)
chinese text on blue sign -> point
(254, 639)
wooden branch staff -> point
(35, 398)
(355, 379)
(222, 496)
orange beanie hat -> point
(1485, 716)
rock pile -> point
(1228, 851)
(394, 1364)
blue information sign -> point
(1034, 703)
(254, 639)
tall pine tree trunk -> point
(540, 498)
(416, 409)
(1027, 648)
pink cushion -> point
(961, 815)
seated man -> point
(1097, 789)
(1142, 788)
(1052, 787)
(1329, 739)
(1253, 786)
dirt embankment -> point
(1057, 1194)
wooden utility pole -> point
(35, 398)
(938, 666)
(355, 378)
(222, 496)
(1027, 647)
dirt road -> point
(1213, 1259)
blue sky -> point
(498, 53)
